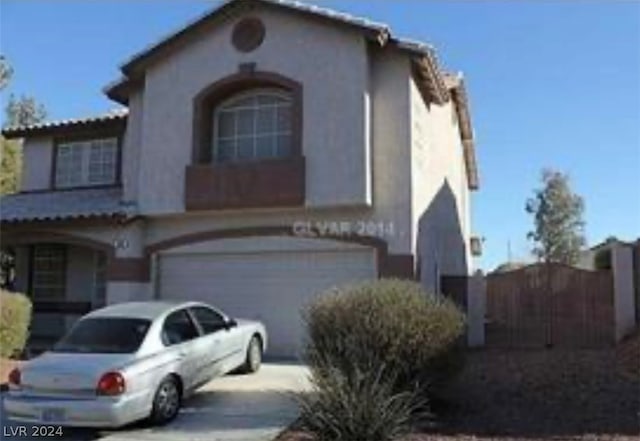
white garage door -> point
(269, 286)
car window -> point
(178, 328)
(104, 335)
(210, 321)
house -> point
(598, 257)
(266, 152)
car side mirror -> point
(230, 323)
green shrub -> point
(363, 406)
(15, 317)
(390, 323)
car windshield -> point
(112, 335)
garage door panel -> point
(272, 287)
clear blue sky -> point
(551, 83)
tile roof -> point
(113, 116)
(59, 205)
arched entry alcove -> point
(65, 277)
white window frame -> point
(56, 255)
(86, 150)
(228, 107)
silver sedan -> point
(132, 361)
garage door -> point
(271, 287)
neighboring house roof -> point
(116, 117)
(509, 266)
(612, 241)
(59, 205)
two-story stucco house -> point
(266, 152)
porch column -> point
(476, 309)
(623, 292)
(22, 269)
(128, 271)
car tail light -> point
(111, 384)
(15, 377)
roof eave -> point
(115, 122)
(118, 91)
(473, 179)
(136, 65)
(459, 97)
(65, 218)
(121, 89)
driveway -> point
(237, 407)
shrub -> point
(15, 317)
(374, 350)
(390, 323)
(362, 406)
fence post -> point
(476, 309)
(623, 293)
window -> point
(210, 321)
(86, 163)
(178, 328)
(104, 336)
(253, 126)
(48, 276)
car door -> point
(180, 334)
(221, 338)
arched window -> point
(253, 125)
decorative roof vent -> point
(248, 34)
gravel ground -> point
(536, 395)
(543, 394)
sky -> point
(551, 84)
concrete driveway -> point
(234, 408)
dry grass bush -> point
(376, 350)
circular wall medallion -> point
(248, 34)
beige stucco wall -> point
(329, 61)
(36, 164)
(118, 292)
(440, 194)
(131, 148)
(390, 96)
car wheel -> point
(254, 356)
(166, 401)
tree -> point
(18, 112)
(6, 72)
(557, 211)
(10, 165)
(23, 111)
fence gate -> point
(550, 305)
